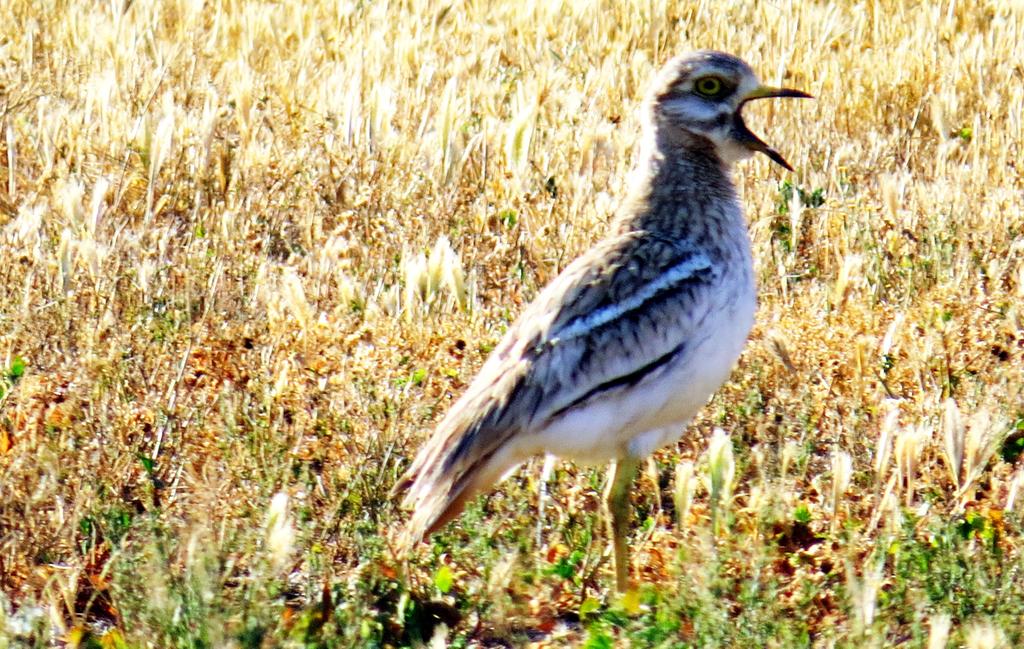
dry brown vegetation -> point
(256, 248)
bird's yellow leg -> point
(617, 510)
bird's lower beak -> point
(751, 141)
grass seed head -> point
(294, 296)
(685, 484)
(939, 625)
(982, 635)
(280, 532)
(886, 432)
(864, 590)
(983, 439)
(721, 473)
(910, 443)
(953, 440)
(790, 453)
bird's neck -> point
(680, 189)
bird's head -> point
(700, 96)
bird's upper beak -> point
(751, 141)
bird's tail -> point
(468, 452)
(434, 498)
(438, 485)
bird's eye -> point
(709, 86)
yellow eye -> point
(709, 86)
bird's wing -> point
(615, 314)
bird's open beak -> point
(751, 141)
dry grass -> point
(250, 251)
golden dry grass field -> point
(251, 251)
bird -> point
(618, 353)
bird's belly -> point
(653, 412)
(690, 381)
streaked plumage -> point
(617, 353)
